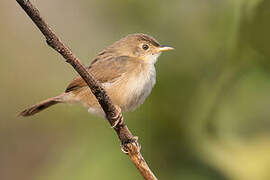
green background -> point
(207, 118)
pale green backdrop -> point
(208, 117)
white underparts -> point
(136, 90)
(140, 86)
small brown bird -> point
(125, 69)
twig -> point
(113, 114)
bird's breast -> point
(139, 84)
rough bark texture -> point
(113, 114)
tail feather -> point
(41, 106)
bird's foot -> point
(124, 147)
(118, 118)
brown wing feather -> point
(104, 69)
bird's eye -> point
(145, 47)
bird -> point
(125, 69)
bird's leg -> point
(118, 117)
(119, 121)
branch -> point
(113, 113)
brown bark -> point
(113, 114)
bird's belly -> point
(136, 90)
(127, 92)
(128, 95)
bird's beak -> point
(165, 48)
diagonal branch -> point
(113, 114)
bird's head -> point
(140, 46)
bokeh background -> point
(208, 117)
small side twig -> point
(128, 141)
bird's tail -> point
(42, 105)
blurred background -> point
(207, 118)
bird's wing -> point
(105, 70)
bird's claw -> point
(119, 121)
(118, 118)
(124, 147)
